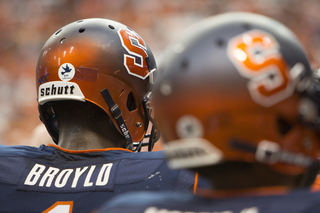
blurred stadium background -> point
(25, 25)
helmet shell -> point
(227, 91)
(87, 56)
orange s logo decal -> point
(256, 56)
(136, 61)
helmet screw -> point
(138, 124)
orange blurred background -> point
(26, 25)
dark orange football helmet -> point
(103, 62)
(238, 87)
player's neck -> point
(84, 139)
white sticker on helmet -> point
(192, 152)
(59, 90)
(189, 126)
(66, 72)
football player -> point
(237, 102)
(92, 82)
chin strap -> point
(269, 152)
(114, 108)
(309, 177)
(134, 146)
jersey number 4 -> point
(60, 207)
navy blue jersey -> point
(52, 179)
(166, 202)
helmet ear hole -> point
(284, 126)
(48, 110)
(131, 104)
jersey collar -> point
(87, 151)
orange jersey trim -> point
(259, 191)
(87, 151)
(195, 183)
(315, 187)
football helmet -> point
(238, 87)
(103, 62)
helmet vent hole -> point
(284, 125)
(58, 32)
(122, 91)
(129, 28)
(184, 64)
(79, 21)
(220, 42)
(62, 40)
(82, 29)
(111, 27)
(246, 26)
(131, 105)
